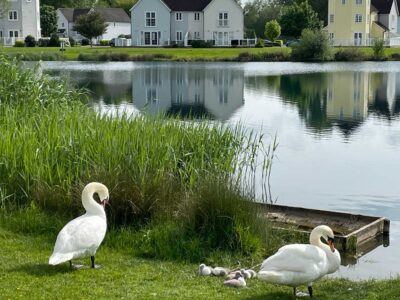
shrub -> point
(43, 42)
(54, 40)
(72, 41)
(349, 54)
(260, 43)
(395, 56)
(201, 44)
(19, 44)
(85, 42)
(272, 30)
(378, 48)
(30, 41)
(104, 43)
(313, 46)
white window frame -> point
(358, 18)
(179, 34)
(13, 31)
(197, 16)
(223, 19)
(14, 15)
(331, 18)
(197, 35)
(150, 18)
(331, 35)
(178, 16)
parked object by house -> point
(20, 20)
(168, 22)
(117, 19)
(360, 22)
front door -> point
(357, 38)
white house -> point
(117, 19)
(21, 18)
(163, 22)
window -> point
(1, 33)
(343, 2)
(197, 98)
(358, 18)
(331, 35)
(357, 38)
(178, 16)
(150, 19)
(12, 15)
(223, 95)
(197, 16)
(62, 24)
(13, 33)
(331, 18)
(179, 36)
(196, 35)
(358, 2)
(223, 19)
(154, 38)
(151, 95)
(179, 98)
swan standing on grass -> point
(298, 264)
(82, 236)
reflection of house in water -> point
(347, 96)
(186, 90)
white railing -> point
(9, 41)
(356, 42)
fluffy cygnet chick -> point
(219, 271)
(204, 270)
(237, 282)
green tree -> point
(313, 46)
(91, 25)
(48, 20)
(4, 7)
(298, 17)
(272, 30)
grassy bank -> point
(24, 273)
(183, 54)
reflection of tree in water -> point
(98, 87)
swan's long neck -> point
(333, 258)
(91, 206)
(315, 239)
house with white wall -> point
(21, 18)
(117, 19)
(165, 22)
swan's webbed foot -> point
(75, 267)
(302, 294)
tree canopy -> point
(272, 30)
(91, 25)
(48, 20)
(297, 17)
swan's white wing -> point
(295, 258)
(82, 234)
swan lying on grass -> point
(82, 236)
(298, 264)
(236, 282)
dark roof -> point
(187, 5)
(373, 8)
(109, 14)
(383, 6)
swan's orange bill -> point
(331, 245)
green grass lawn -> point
(24, 274)
(72, 53)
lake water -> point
(337, 124)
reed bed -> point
(159, 171)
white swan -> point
(298, 264)
(237, 281)
(82, 236)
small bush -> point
(313, 46)
(72, 42)
(19, 44)
(260, 43)
(349, 54)
(104, 43)
(201, 44)
(54, 40)
(395, 56)
(378, 48)
(30, 41)
(85, 42)
(43, 42)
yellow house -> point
(359, 22)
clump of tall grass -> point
(52, 145)
(350, 54)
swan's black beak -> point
(331, 244)
(104, 202)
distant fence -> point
(358, 42)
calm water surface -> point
(338, 127)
